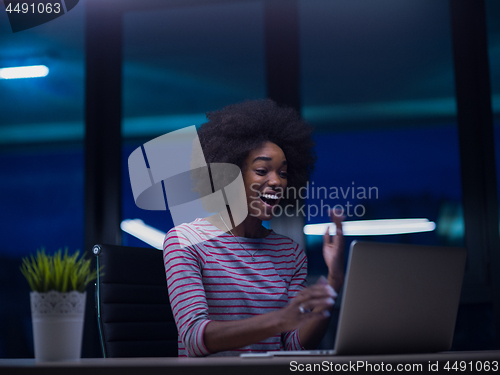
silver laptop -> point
(397, 299)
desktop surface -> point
(415, 363)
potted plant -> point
(58, 297)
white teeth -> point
(269, 196)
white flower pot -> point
(57, 325)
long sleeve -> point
(210, 277)
(187, 296)
(291, 339)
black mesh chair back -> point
(133, 310)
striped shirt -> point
(210, 277)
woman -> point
(244, 289)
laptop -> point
(397, 299)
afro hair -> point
(232, 132)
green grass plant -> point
(62, 273)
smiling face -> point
(265, 178)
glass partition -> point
(41, 161)
(377, 82)
(186, 62)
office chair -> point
(133, 310)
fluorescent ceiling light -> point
(155, 237)
(374, 227)
(33, 71)
(144, 232)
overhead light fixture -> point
(374, 227)
(155, 237)
(33, 71)
(144, 232)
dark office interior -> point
(404, 96)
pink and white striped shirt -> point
(210, 277)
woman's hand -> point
(314, 302)
(310, 308)
(333, 252)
